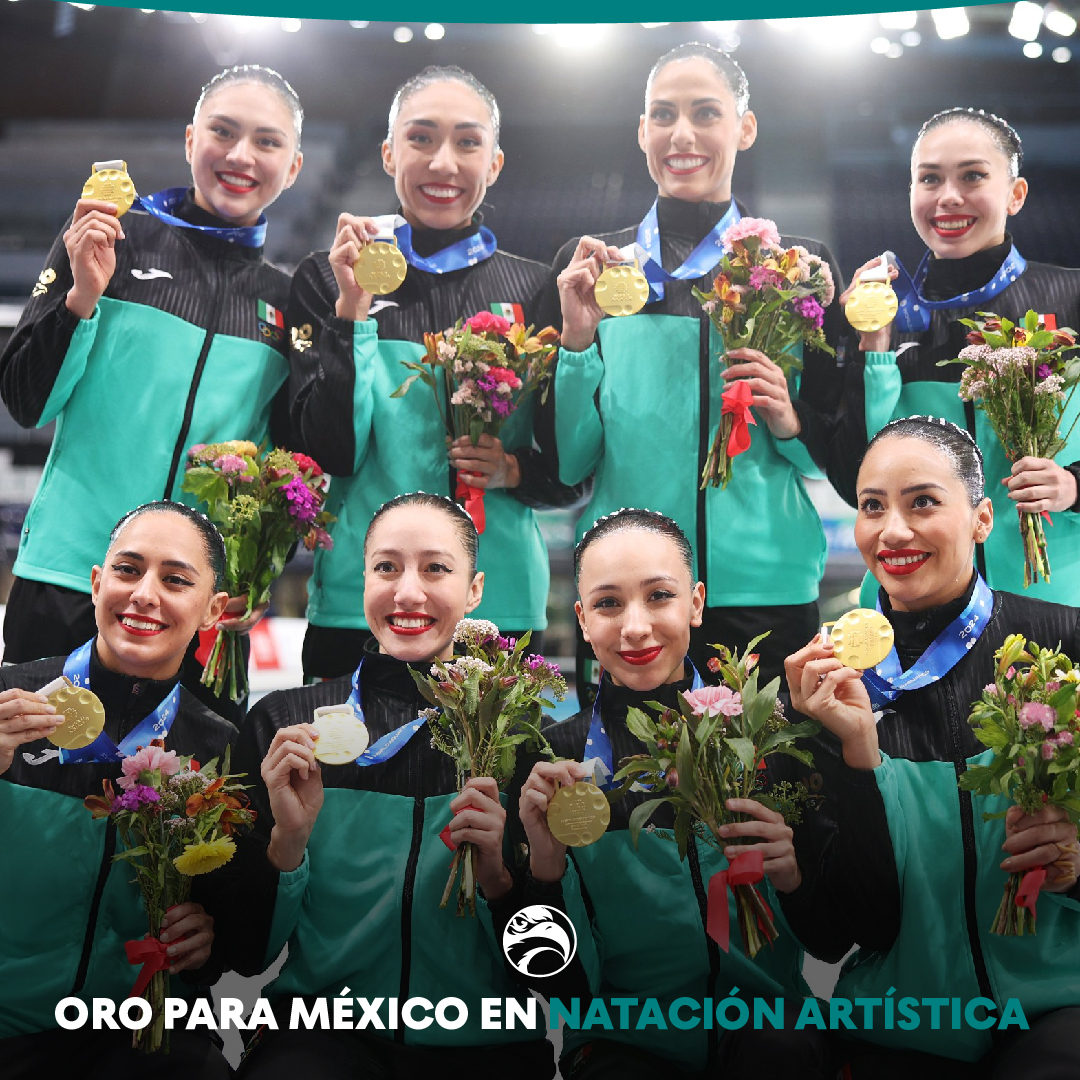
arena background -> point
(838, 100)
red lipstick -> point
(641, 657)
(939, 220)
(138, 631)
(412, 616)
(902, 569)
(235, 189)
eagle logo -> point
(539, 941)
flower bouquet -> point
(711, 749)
(487, 703)
(766, 298)
(488, 366)
(1028, 717)
(175, 820)
(1019, 376)
(263, 502)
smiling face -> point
(153, 594)
(418, 583)
(637, 606)
(242, 151)
(961, 191)
(442, 155)
(691, 131)
(916, 527)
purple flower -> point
(302, 503)
(507, 643)
(1034, 712)
(760, 276)
(1044, 371)
(230, 464)
(139, 795)
(502, 406)
(809, 308)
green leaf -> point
(403, 389)
(744, 749)
(640, 817)
(684, 763)
(640, 726)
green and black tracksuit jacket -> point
(362, 909)
(184, 347)
(66, 908)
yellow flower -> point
(203, 857)
(242, 447)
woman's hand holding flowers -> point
(1038, 485)
(774, 838)
(479, 819)
(189, 933)
(772, 397)
(1047, 839)
(486, 465)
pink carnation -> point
(1047, 751)
(1034, 712)
(147, 759)
(713, 701)
(744, 228)
(484, 321)
(504, 375)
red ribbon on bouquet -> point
(737, 399)
(444, 836)
(206, 645)
(154, 957)
(473, 500)
(742, 870)
(1030, 884)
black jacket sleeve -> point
(33, 356)
(321, 370)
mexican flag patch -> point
(270, 315)
(1048, 322)
(514, 312)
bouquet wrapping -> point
(487, 366)
(1019, 376)
(263, 502)
(175, 820)
(767, 298)
(487, 703)
(1028, 717)
(711, 749)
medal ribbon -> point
(153, 726)
(466, 252)
(700, 261)
(598, 742)
(913, 314)
(886, 682)
(385, 748)
(162, 204)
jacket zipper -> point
(967, 832)
(703, 446)
(91, 922)
(712, 1039)
(406, 907)
(179, 450)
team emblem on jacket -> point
(271, 322)
(301, 337)
(45, 279)
(515, 313)
(539, 941)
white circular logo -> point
(539, 941)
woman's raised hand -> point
(353, 234)
(547, 856)
(25, 717)
(91, 249)
(581, 313)
(294, 784)
(874, 340)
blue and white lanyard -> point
(468, 251)
(598, 742)
(913, 315)
(887, 682)
(162, 204)
(700, 261)
(154, 726)
(386, 747)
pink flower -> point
(1047, 751)
(147, 759)
(761, 228)
(1064, 738)
(991, 689)
(714, 701)
(484, 321)
(1035, 712)
(504, 375)
(760, 276)
(230, 464)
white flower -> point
(475, 631)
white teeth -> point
(409, 624)
(140, 624)
(441, 192)
(954, 226)
(684, 162)
(236, 181)
(903, 560)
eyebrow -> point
(465, 125)
(648, 581)
(431, 553)
(178, 563)
(903, 491)
(959, 164)
(258, 130)
(696, 101)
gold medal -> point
(343, 736)
(84, 717)
(622, 290)
(110, 182)
(381, 268)
(578, 815)
(871, 306)
(861, 639)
